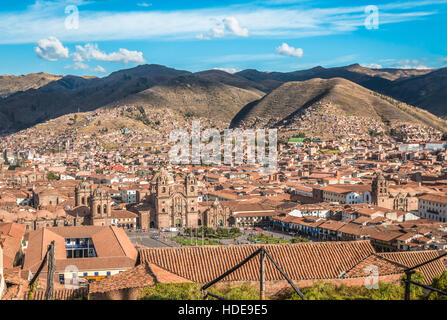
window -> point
(79, 248)
(108, 273)
(96, 274)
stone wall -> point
(124, 294)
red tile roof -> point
(315, 260)
(138, 277)
(413, 258)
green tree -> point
(52, 176)
(172, 291)
(242, 292)
(440, 283)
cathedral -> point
(392, 198)
(174, 205)
(98, 202)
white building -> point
(433, 207)
(129, 195)
(310, 211)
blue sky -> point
(86, 37)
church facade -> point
(98, 203)
(174, 205)
(383, 197)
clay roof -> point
(15, 230)
(413, 258)
(384, 267)
(434, 198)
(61, 294)
(123, 214)
(143, 275)
(314, 260)
(113, 247)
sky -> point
(88, 37)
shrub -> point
(172, 291)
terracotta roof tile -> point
(138, 277)
(318, 260)
(413, 258)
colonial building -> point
(215, 215)
(98, 201)
(383, 197)
(173, 205)
(433, 207)
(84, 252)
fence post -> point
(408, 284)
(50, 274)
(262, 274)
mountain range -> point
(390, 95)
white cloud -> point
(227, 26)
(287, 50)
(80, 66)
(411, 64)
(77, 66)
(372, 65)
(232, 25)
(38, 21)
(228, 70)
(51, 49)
(91, 52)
(99, 69)
(144, 4)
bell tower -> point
(379, 190)
(100, 207)
(192, 192)
(191, 185)
(83, 192)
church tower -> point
(161, 189)
(192, 195)
(379, 190)
(100, 207)
(83, 192)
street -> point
(147, 239)
(155, 239)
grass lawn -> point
(263, 239)
(192, 242)
(266, 239)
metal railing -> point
(263, 253)
(410, 271)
